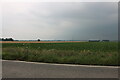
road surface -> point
(20, 69)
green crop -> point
(93, 53)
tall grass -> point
(92, 53)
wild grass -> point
(91, 53)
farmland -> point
(89, 53)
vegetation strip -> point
(86, 53)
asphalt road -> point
(15, 69)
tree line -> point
(6, 39)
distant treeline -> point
(6, 39)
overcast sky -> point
(60, 20)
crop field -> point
(89, 53)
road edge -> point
(63, 64)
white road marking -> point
(63, 64)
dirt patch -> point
(37, 41)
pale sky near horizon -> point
(60, 20)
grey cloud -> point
(62, 21)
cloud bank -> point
(60, 20)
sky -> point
(60, 20)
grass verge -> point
(70, 53)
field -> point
(90, 53)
